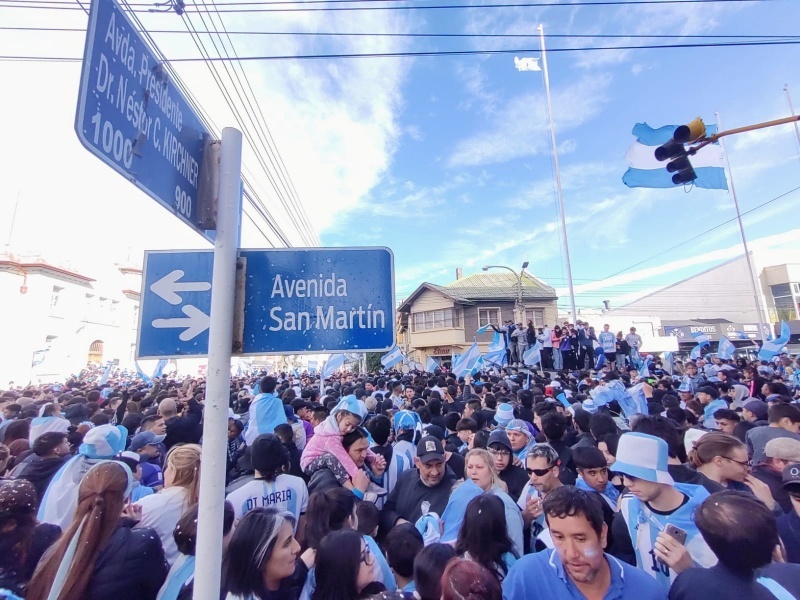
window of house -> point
(55, 300)
(488, 315)
(435, 319)
(536, 315)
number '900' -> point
(183, 202)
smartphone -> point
(676, 533)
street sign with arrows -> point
(294, 301)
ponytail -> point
(712, 445)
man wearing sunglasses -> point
(542, 467)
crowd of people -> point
(500, 484)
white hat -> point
(690, 438)
(644, 457)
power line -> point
(423, 35)
(781, 42)
(55, 5)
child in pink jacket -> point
(345, 417)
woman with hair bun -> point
(467, 580)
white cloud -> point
(520, 127)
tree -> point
(374, 362)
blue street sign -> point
(297, 301)
(133, 118)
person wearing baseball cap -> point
(653, 502)
(779, 453)
(789, 524)
(146, 445)
(430, 483)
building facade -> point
(55, 320)
(441, 321)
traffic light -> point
(676, 153)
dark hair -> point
(582, 419)
(484, 533)
(665, 429)
(569, 501)
(351, 438)
(612, 443)
(480, 439)
(327, 511)
(727, 413)
(554, 426)
(250, 549)
(602, 424)
(17, 430)
(284, 432)
(267, 385)
(677, 414)
(321, 413)
(775, 413)
(47, 442)
(380, 428)
(185, 532)
(451, 420)
(588, 457)
(467, 424)
(741, 428)
(542, 408)
(474, 404)
(739, 529)
(336, 566)
(778, 387)
(17, 521)
(468, 580)
(429, 565)
(132, 421)
(401, 546)
(368, 516)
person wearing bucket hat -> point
(61, 498)
(653, 502)
(504, 415)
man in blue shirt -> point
(578, 567)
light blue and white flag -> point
(644, 370)
(740, 335)
(496, 354)
(465, 362)
(334, 362)
(645, 171)
(668, 363)
(533, 355)
(392, 357)
(106, 374)
(701, 338)
(726, 348)
(697, 352)
(636, 358)
(483, 329)
(431, 365)
(160, 368)
(142, 374)
(478, 366)
(774, 347)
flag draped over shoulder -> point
(645, 171)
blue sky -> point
(446, 159)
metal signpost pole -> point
(215, 416)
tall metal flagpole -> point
(558, 174)
(756, 294)
(791, 110)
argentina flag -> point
(391, 358)
(431, 365)
(645, 171)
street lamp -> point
(519, 307)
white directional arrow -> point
(168, 287)
(195, 323)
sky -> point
(444, 159)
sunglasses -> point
(539, 472)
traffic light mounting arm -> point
(713, 138)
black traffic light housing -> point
(677, 154)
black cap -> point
(429, 449)
(499, 436)
(710, 390)
(268, 454)
(791, 478)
